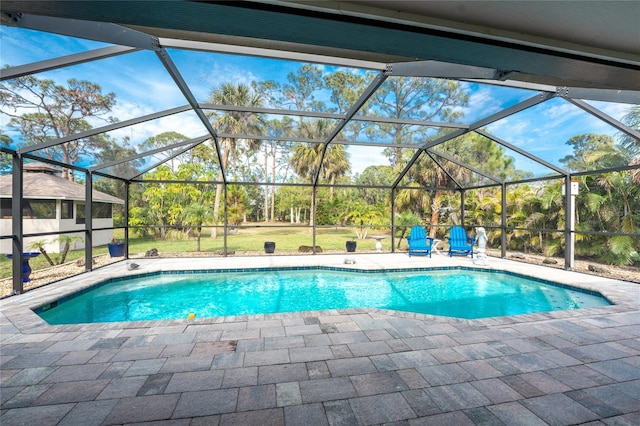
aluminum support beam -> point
(617, 96)
(147, 153)
(103, 129)
(503, 222)
(606, 118)
(316, 141)
(466, 166)
(389, 120)
(369, 91)
(436, 69)
(99, 31)
(17, 246)
(314, 204)
(445, 138)
(538, 179)
(88, 221)
(520, 151)
(569, 221)
(174, 155)
(406, 169)
(455, 182)
(127, 188)
(526, 104)
(329, 115)
(608, 170)
(55, 163)
(271, 53)
(514, 84)
(225, 222)
(273, 111)
(63, 61)
(480, 123)
(488, 185)
(186, 92)
(393, 220)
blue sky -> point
(147, 88)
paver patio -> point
(361, 366)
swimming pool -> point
(456, 292)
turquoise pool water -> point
(455, 293)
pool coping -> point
(18, 309)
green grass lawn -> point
(249, 239)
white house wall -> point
(62, 226)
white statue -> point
(481, 238)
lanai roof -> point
(538, 60)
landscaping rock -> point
(221, 252)
(309, 249)
(517, 256)
(550, 261)
(597, 268)
(80, 262)
(151, 253)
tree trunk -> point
(331, 188)
(266, 187)
(312, 213)
(63, 255)
(435, 214)
(216, 209)
(46, 256)
(273, 183)
(216, 204)
(402, 234)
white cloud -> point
(362, 157)
(559, 112)
(481, 103)
(187, 124)
(617, 111)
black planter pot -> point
(351, 246)
(269, 247)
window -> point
(66, 209)
(5, 207)
(40, 209)
(80, 214)
(101, 211)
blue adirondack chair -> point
(419, 243)
(459, 243)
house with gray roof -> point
(54, 204)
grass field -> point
(248, 240)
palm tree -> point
(234, 122)
(363, 216)
(197, 214)
(414, 199)
(39, 245)
(335, 165)
(632, 119)
(67, 240)
(616, 213)
(427, 173)
(404, 221)
(305, 157)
